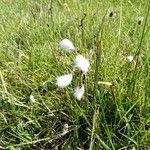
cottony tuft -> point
(67, 45)
(64, 80)
(82, 63)
(79, 92)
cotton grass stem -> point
(95, 117)
(120, 23)
(98, 55)
(143, 34)
(139, 48)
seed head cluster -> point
(80, 62)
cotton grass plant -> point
(80, 62)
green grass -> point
(111, 118)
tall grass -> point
(108, 117)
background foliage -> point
(106, 32)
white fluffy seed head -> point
(79, 92)
(64, 80)
(67, 45)
(32, 99)
(82, 63)
(129, 58)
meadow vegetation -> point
(36, 114)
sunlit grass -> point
(114, 112)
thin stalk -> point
(139, 47)
(98, 55)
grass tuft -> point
(114, 112)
